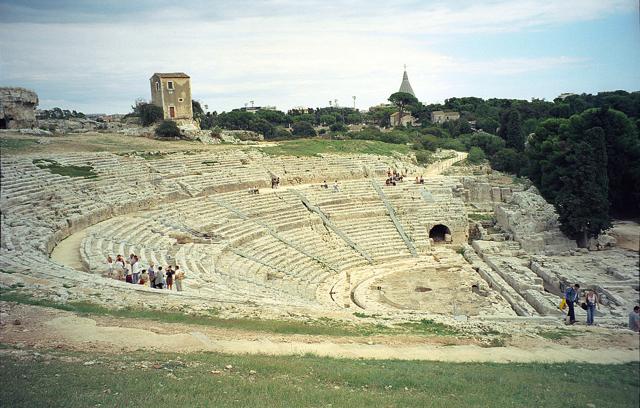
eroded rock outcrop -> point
(533, 222)
(17, 108)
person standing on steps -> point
(572, 295)
(159, 278)
(634, 319)
(592, 303)
(179, 278)
(169, 274)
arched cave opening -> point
(439, 232)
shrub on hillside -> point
(167, 129)
(338, 127)
(476, 155)
(395, 136)
(148, 113)
(281, 133)
(453, 144)
(423, 157)
(490, 144)
(429, 142)
(303, 128)
(510, 161)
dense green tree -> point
(457, 127)
(511, 129)
(338, 127)
(429, 142)
(281, 133)
(167, 129)
(402, 100)
(302, 129)
(274, 117)
(623, 152)
(380, 115)
(147, 112)
(263, 127)
(327, 120)
(510, 161)
(489, 143)
(198, 112)
(476, 155)
(354, 118)
(546, 155)
(582, 202)
(488, 125)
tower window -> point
(170, 85)
(158, 86)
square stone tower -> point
(172, 92)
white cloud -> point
(285, 59)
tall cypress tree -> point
(582, 202)
(511, 130)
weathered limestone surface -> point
(17, 108)
(72, 125)
(278, 254)
(533, 222)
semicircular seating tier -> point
(193, 207)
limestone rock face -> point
(533, 222)
(72, 125)
(243, 135)
(17, 108)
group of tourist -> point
(336, 187)
(131, 271)
(394, 177)
(275, 182)
(591, 302)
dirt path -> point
(50, 328)
(436, 169)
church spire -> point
(405, 86)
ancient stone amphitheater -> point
(390, 249)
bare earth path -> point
(50, 328)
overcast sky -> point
(97, 56)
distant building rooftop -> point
(171, 75)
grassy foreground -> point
(206, 380)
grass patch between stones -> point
(63, 170)
(557, 334)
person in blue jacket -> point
(572, 295)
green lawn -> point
(312, 147)
(146, 379)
